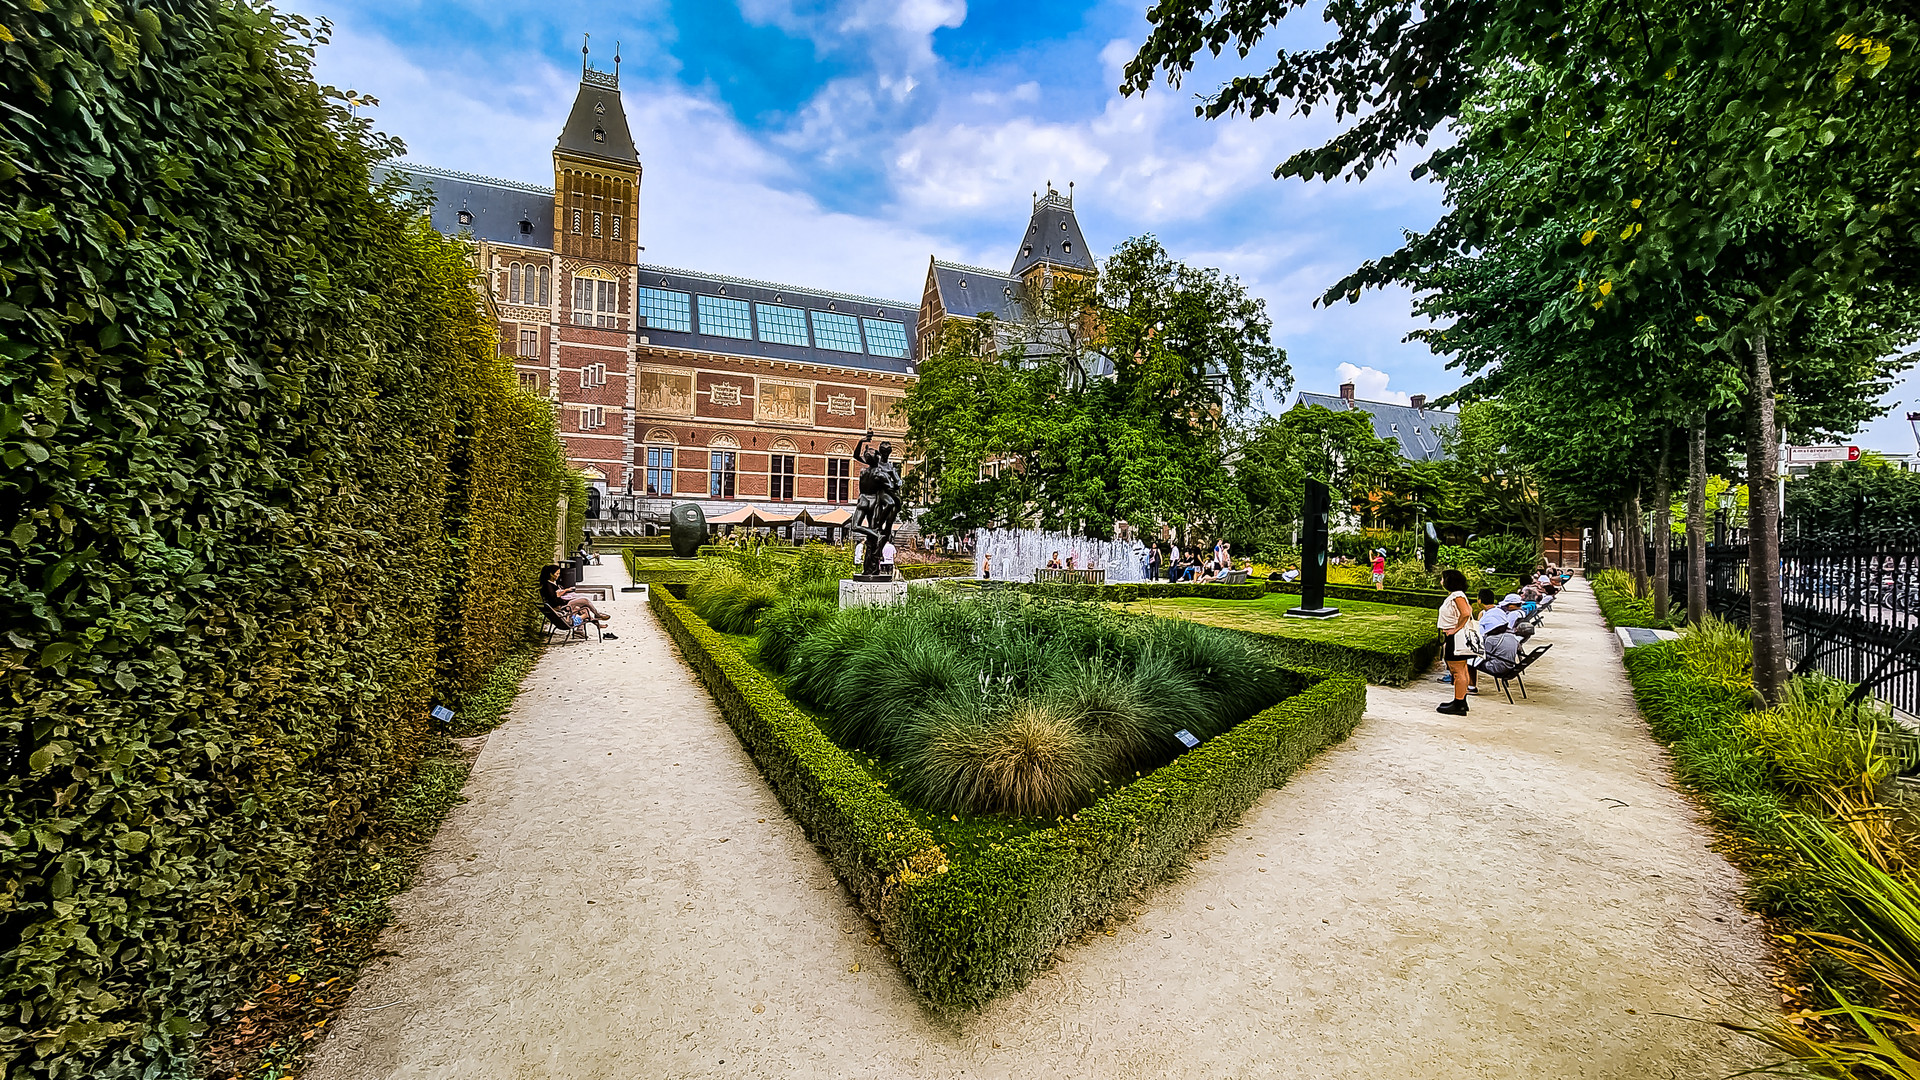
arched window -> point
(546, 283)
(513, 283)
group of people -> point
(1195, 566)
(1491, 640)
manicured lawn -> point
(1386, 643)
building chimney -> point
(1418, 401)
(1346, 393)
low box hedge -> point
(967, 932)
(1127, 593)
(1375, 662)
(867, 835)
(922, 571)
(1399, 597)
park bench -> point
(1069, 577)
(1519, 672)
(559, 622)
(1232, 577)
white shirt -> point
(1449, 618)
(886, 552)
(1493, 617)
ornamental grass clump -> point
(1028, 758)
(1828, 754)
(729, 598)
(1010, 704)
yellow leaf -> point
(1597, 304)
(1700, 318)
(1587, 237)
(1672, 71)
(5, 34)
(1636, 204)
(1606, 288)
(294, 978)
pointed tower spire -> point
(1053, 241)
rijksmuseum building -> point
(677, 385)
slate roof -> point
(971, 291)
(1414, 430)
(597, 126)
(1053, 236)
(498, 207)
(695, 284)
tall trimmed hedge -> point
(256, 502)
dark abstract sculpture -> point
(686, 524)
(879, 505)
(1313, 555)
(1430, 546)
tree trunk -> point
(1603, 538)
(1662, 529)
(1697, 522)
(1765, 621)
(1637, 542)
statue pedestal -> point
(857, 593)
(1312, 613)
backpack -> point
(1470, 641)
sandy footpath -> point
(1519, 892)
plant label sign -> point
(442, 714)
(1186, 737)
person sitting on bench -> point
(567, 602)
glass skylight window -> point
(784, 325)
(841, 333)
(665, 310)
(886, 338)
(725, 317)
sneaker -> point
(610, 637)
(1453, 708)
(1473, 689)
(1447, 678)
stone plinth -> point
(855, 593)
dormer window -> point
(598, 134)
(1066, 245)
(963, 283)
(526, 227)
(1063, 226)
(466, 217)
(1026, 251)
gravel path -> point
(1519, 892)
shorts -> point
(1453, 655)
(1378, 578)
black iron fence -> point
(1851, 610)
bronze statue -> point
(879, 505)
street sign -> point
(1806, 455)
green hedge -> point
(868, 837)
(1375, 662)
(243, 394)
(967, 933)
(1397, 597)
(1613, 591)
(922, 571)
(1145, 590)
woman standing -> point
(1456, 614)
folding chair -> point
(1518, 673)
(559, 622)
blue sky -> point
(840, 143)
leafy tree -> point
(1766, 147)
(1271, 465)
(1854, 501)
(1110, 401)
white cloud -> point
(1370, 384)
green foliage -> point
(1126, 594)
(1387, 644)
(1004, 704)
(1506, 551)
(1186, 346)
(1427, 596)
(729, 598)
(1273, 462)
(484, 708)
(968, 931)
(784, 625)
(868, 837)
(259, 507)
(989, 925)
(923, 571)
(1853, 501)
(1613, 591)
